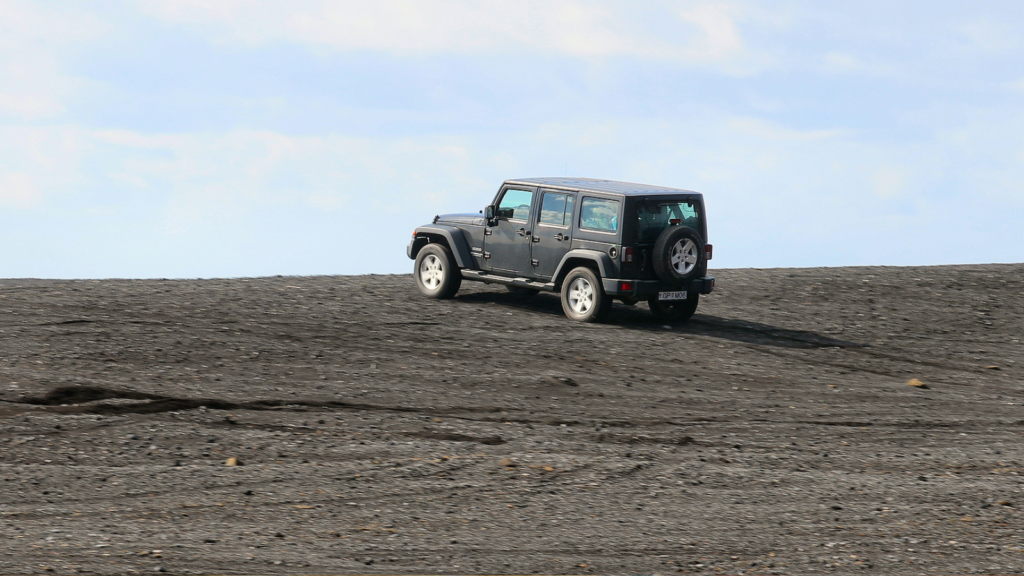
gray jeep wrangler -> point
(590, 240)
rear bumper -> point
(643, 289)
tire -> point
(583, 297)
(674, 312)
(520, 291)
(436, 274)
(678, 255)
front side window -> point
(599, 214)
(556, 209)
(515, 205)
(654, 217)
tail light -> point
(627, 254)
(675, 221)
(626, 286)
(707, 251)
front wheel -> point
(583, 298)
(437, 276)
(674, 310)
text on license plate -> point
(678, 295)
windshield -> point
(653, 217)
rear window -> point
(599, 214)
(654, 216)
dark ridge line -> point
(64, 399)
(851, 424)
(452, 437)
(629, 439)
(81, 394)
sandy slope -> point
(381, 432)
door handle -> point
(560, 237)
(523, 232)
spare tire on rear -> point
(678, 255)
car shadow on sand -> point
(638, 317)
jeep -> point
(592, 241)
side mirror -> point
(489, 214)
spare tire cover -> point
(678, 255)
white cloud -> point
(697, 34)
(327, 203)
(257, 190)
(721, 38)
(838, 62)
(774, 133)
(33, 88)
(890, 182)
(19, 190)
(32, 36)
(210, 175)
(26, 23)
(990, 35)
(38, 163)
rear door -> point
(552, 235)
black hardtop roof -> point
(596, 185)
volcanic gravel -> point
(375, 431)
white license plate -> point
(680, 295)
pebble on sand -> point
(917, 383)
(233, 461)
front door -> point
(553, 233)
(508, 242)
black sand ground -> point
(380, 432)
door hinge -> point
(487, 232)
(535, 262)
(487, 255)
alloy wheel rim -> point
(431, 272)
(684, 256)
(581, 295)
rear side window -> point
(515, 204)
(556, 209)
(599, 214)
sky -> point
(187, 138)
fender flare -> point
(602, 260)
(455, 237)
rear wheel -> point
(437, 276)
(583, 298)
(674, 311)
(678, 255)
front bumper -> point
(412, 249)
(644, 289)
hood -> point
(472, 219)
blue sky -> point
(180, 138)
